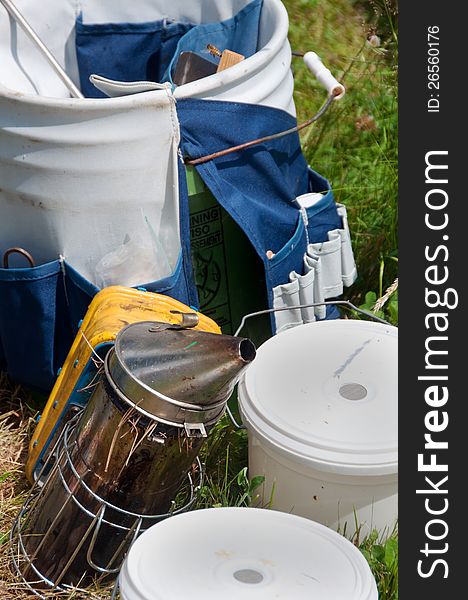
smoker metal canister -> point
(109, 312)
(120, 468)
(195, 376)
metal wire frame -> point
(203, 159)
(344, 303)
(115, 590)
(60, 457)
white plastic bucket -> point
(101, 174)
(320, 406)
(244, 553)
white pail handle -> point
(344, 303)
(323, 75)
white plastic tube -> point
(323, 75)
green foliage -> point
(389, 311)
(382, 557)
(355, 144)
(385, 305)
(226, 481)
(229, 491)
(392, 309)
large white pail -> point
(244, 553)
(95, 180)
(320, 406)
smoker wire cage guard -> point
(58, 459)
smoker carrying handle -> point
(345, 303)
(323, 75)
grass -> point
(355, 147)
(17, 421)
(355, 144)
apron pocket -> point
(287, 296)
(34, 326)
(329, 254)
(306, 294)
(312, 264)
(348, 266)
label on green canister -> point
(209, 260)
(228, 273)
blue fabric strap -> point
(258, 186)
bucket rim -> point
(207, 85)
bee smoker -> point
(119, 465)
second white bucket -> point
(320, 406)
(244, 554)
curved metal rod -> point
(267, 138)
(344, 303)
(193, 489)
(17, 250)
(233, 419)
(135, 530)
(57, 67)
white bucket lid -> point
(326, 393)
(248, 553)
